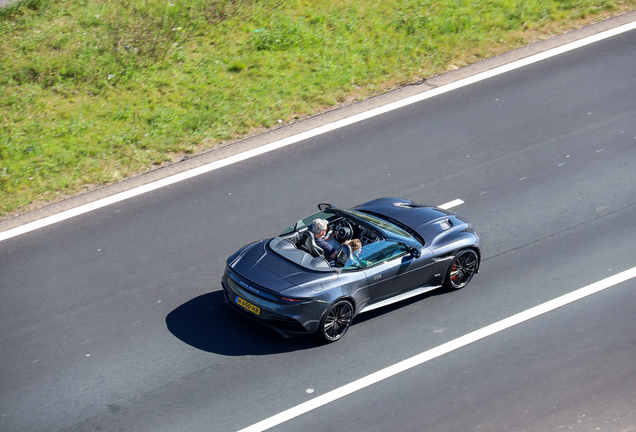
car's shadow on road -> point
(206, 323)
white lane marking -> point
(311, 133)
(451, 204)
(440, 350)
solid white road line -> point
(311, 133)
(440, 350)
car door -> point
(390, 268)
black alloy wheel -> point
(462, 269)
(336, 321)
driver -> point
(319, 229)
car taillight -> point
(290, 300)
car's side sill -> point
(400, 297)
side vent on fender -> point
(444, 257)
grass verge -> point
(92, 92)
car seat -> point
(308, 244)
(343, 254)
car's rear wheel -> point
(336, 321)
(462, 269)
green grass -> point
(92, 92)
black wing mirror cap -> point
(324, 206)
(415, 252)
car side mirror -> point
(324, 206)
(415, 252)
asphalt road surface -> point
(114, 320)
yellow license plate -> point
(247, 305)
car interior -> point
(304, 241)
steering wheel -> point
(344, 230)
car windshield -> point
(396, 232)
(306, 222)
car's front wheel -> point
(336, 321)
(462, 269)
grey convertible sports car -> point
(407, 249)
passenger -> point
(355, 244)
(319, 229)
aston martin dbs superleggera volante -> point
(288, 284)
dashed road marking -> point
(312, 133)
(451, 204)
